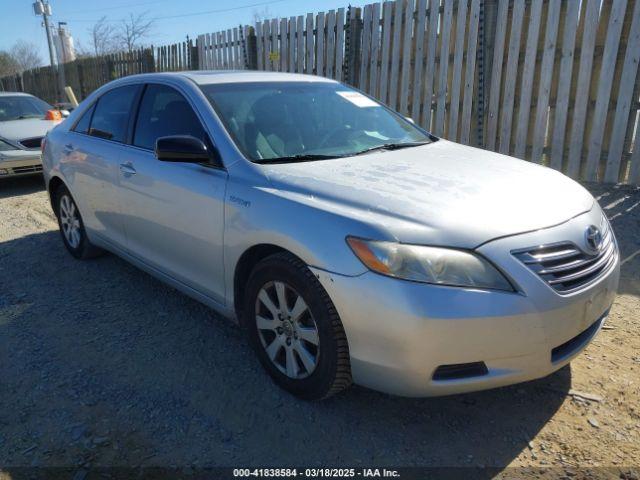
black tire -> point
(332, 372)
(84, 248)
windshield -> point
(19, 107)
(271, 121)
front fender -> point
(311, 231)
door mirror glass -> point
(182, 148)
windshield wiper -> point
(314, 156)
(392, 146)
(309, 157)
(31, 115)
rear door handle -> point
(127, 169)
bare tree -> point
(81, 50)
(134, 29)
(260, 15)
(8, 66)
(103, 37)
(26, 55)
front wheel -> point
(71, 226)
(295, 329)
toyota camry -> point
(349, 243)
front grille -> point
(31, 143)
(567, 268)
(29, 169)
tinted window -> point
(164, 112)
(112, 113)
(83, 124)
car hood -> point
(15, 130)
(441, 193)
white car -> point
(350, 243)
(23, 125)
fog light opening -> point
(460, 370)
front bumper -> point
(20, 162)
(400, 332)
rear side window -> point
(83, 124)
(111, 115)
(163, 112)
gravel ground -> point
(102, 365)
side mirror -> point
(64, 113)
(182, 148)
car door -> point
(173, 212)
(92, 152)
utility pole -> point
(43, 8)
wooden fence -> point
(554, 81)
(87, 74)
(225, 50)
(420, 59)
(174, 58)
(313, 44)
(39, 81)
(564, 86)
(551, 81)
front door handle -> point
(127, 169)
(68, 148)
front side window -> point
(164, 112)
(273, 121)
(111, 115)
(22, 106)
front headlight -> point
(442, 266)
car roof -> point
(206, 77)
(15, 94)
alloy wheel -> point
(287, 330)
(70, 221)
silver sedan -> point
(352, 245)
(24, 121)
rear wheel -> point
(295, 329)
(71, 226)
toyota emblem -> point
(593, 237)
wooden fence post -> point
(353, 43)
(83, 91)
(149, 64)
(193, 55)
(251, 48)
(486, 39)
(111, 71)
